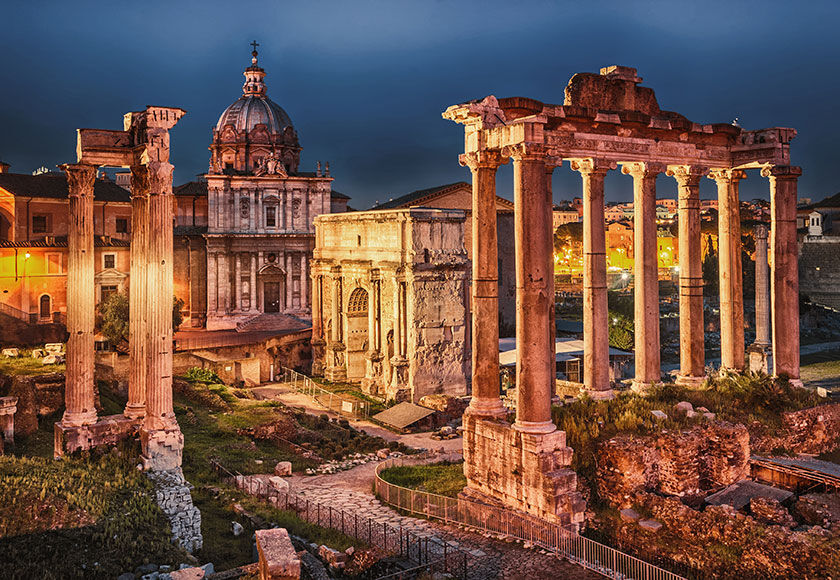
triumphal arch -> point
(606, 121)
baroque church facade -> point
(244, 231)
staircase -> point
(272, 323)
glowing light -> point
(26, 255)
(624, 275)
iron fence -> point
(422, 553)
(335, 402)
(555, 538)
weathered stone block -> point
(650, 525)
(277, 557)
(283, 468)
(108, 430)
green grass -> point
(79, 518)
(351, 390)
(26, 365)
(441, 478)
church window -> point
(107, 291)
(122, 226)
(271, 217)
(109, 261)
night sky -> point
(365, 82)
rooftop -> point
(54, 186)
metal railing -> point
(588, 553)
(423, 553)
(335, 402)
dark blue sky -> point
(365, 82)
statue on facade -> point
(270, 165)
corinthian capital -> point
(686, 175)
(159, 175)
(781, 171)
(525, 151)
(589, 165)
(642, 169)
(80, 178)
(727, 175)
(488, 159)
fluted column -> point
(534, 291)
(237, 281)
(692, 344)
(596, 340)
(645, 270)
(730, 275)
(304, 289)
(135, 408)
(159, 276)
(485, 400)
(762, 288)
(784, 283)
(79, 386)
(289, 281)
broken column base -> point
(172, 494)
(523, 471)
(690, 382)
(108, 430)
(277, 557)
(161, 448)
(760, 358)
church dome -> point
(254, 132)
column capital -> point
(525, 151)
(159, 176)
(590, 165)
(642, 169)
(781, 171)
(487, 159)
(686, 175)
(760, 232)
(727, 175)
(80, 178)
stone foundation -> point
(672, 463)
(524, 471)
(814, 430)
(278, 559)
(162, 448)
(172, 494)
(108, 430)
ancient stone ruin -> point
(390, 301)
(606, 120)
(143, 147)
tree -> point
(710, 271)
(621, 331)
(113, 317)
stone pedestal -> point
(162, 448)
(336, 369)
(524, 471)
(760, 358)
(108, 430)
(8, 408)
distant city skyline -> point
(365, 82)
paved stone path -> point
(492, 559)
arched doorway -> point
(45, 307)
(357, 333)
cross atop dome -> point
(254, 53)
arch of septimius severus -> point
(606, 120)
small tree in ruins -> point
(112, 318)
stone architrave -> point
(534, 292)
(731, 276)
(692, 348)
(79, 393)
(784, 282)
(596, 340)
(761, 351)
(485, 400)
(646, 279)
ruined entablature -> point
(609, 116)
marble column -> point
(212, 282)
(784, 283)
(237, 281)
(730, 275)
(317, 307)
(534, 291)
(290, 281)
(760, 352)
(335, 365)
(224, 283)
(304, 289)
(645, 271)
(485, 400)
(81, 301)
(596, 339)
(135, 408)
(692, 345)
(159, 275)
(252, 305)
